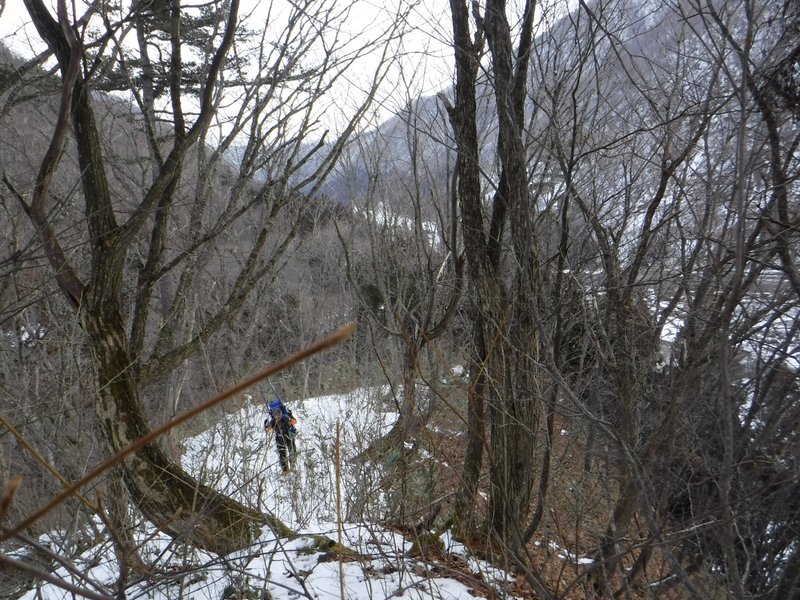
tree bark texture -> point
(162, 490)
(506, 307)
(165, 493)
(476, 439)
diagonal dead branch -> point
(78, 591)
(43, 461)
(336, 337)
(8, 495)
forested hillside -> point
(574, 270)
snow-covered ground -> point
(237, 457)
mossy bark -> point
(161, 489)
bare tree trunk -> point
(162, 490)
(514, 432)
(464, 510)
(408, 421)
(165, 494)
(117, 507)
(506, 312)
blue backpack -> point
(276, 405)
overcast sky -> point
(426, 67)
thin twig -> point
(51, 578)
(43, 461)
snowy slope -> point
(236, 456)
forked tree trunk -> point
(162, 490)
(164, 493)
(509, 356)
(510, 338)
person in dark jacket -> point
(282, 423)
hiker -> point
(283, 424)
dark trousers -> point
(286, 447)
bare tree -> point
(506, 301)
(678, 231)
(408, 273)
(160, 279)
(629, 141)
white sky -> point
(12, 24)
(426, 66)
